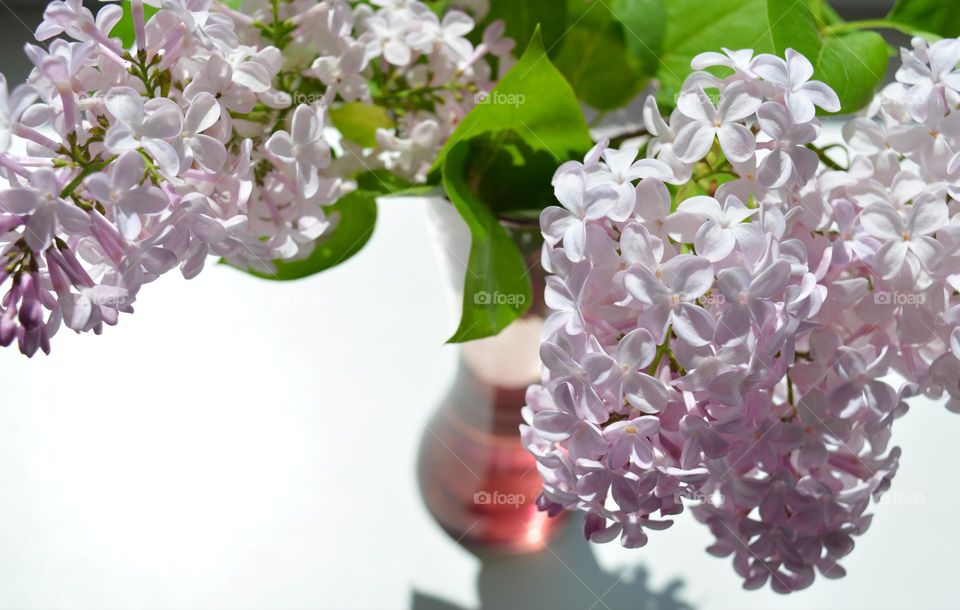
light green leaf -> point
(355, 217)
(496, 286)
(941, 17)
(694, 26)
(534, 101)
(359, 122)
(853, 64)
(793, 26)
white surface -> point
(244, 444)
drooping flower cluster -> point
(726, 341)
(211, 135)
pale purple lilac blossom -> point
(739, 364)
(205, 139)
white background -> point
(245, 444)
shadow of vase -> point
(565, 574)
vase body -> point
(477, 480)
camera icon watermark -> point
(498, 298)
(495, 98)
(496, 498)
(882, 297)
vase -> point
(476, 479)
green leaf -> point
(523, 17)
(941, 17)
(534, 101)
(694, 26)
(793, 26)
(510, 177)
(497, 285)
(498, 164)
(124, 29)
(359, 122)
(853, 64)
(594, 53)
(355, 216)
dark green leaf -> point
(941, 17)
(594, 54)
(523, 16)
(510, 177)
(497, 286)
(359, 122)
(355, 217)
(644, 25)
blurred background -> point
(240, 444)
(22, 16)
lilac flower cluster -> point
(210, 136)
(743, 339)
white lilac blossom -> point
(747, 350)
(210, 136)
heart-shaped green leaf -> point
(532, 100)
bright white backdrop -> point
(243, 444)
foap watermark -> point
(901, 499)
(709, 95)
(699, 497)
(497, 498)
(711, 299)
(498, 298)
(496, 98)
(895, 297)
(298, 98)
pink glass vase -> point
(476, 479)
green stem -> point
(679, 370)
(86, 171)
(885, 24)
(275, 6)
(662, 350)
(822, 153)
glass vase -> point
(475, 477)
